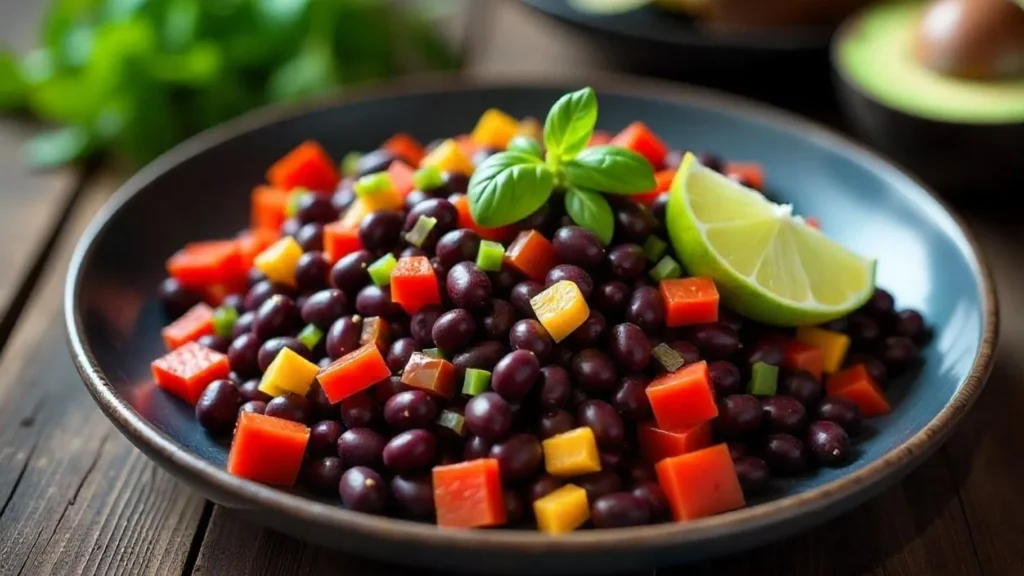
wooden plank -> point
(78, 499)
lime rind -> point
(728, 232)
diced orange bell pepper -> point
(494, 129)
(269, 207)
(562, 511)
(469, 494)
(560, 308)
(188, 327)
(252, 242)
(532, 254)
(600, 138)
(855, 384)
(450, 157)
(499, 234)
(414, 284)
(572, 453)
(340, 239)
(402, 177)
(657, 444)
(267, 450)
(307, 166)
(662, 182)
(750, 173)
(435, 376)
(683, 399)
(701, 483)
(467, 146)
(689, 301)
(640, 139)
(405, 147)
(187, 370)
(802, 356)
(200, 264)
(833, 345)
(353, 372)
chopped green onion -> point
(373, 184)
(310, 336)
(764, 379)
(294, 199)
(433, 353)
(669, 359)
(666, 268)
(349, 162)
(224, 319)
(418, 235)
(654, 248)
(380, 271)
(428, 178)
(453, 421)
(477, 381)
(490, 255)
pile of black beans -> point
(596, 377)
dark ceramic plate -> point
(201, 190)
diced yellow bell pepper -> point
(278, 262)
(572, 453)
(563, 510)
(561, 308)
(495, 128)
(289, 372)
(833, 345)
(531, 127)
(378, 192)
(448, 157)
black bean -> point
(488, 416)
(360, 410)
(646, 309)
(590, 332)
(361, 447)
(410, 409)
(289, 407)
(276, 316)
(572, 273)
(421, 325)
(828, 443)
(349, 273)
(476, 447)
(910, 323)
(375, 300)
(554, 386)
(323, 475)
(653, 496)
(483, 356)
(363, 490)
(400, 352)
(553, 423)
(633, 222)
(270, 349)
(739, 415)
(630, 347)
(843, 412)
(515, 374)
(578, 246)
(803, 387)
(176, 299)
(244, 324)
(310, 237)
(545, 484)
(343, 336)
(250, 390)
(323, 438)
(519, 457)
(593, 370)
(715, 341)
(604, 421)
(496, 323)
(531, 335)
(630, 398)
(784, 414)
(454, 330)
(598, 484)
(627, 261)
(785, 454)
(468, 286)
(725, 377)
(410, 450)
(611, 298)
(753, 474)
(217, 407)
(243, 353)
(414, 494)
(521, 295)
(619, 510)
(324, 307)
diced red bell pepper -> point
(600, 138)
(339, 240)
(806, 357)
(307, 166)
(657, 444)
(405, 147)
(689, 301)
(414, 284)
(435, 376)
(469, 494)
(662, 182)
(269, 207)
(187, 370)
(532, 254)
(252, 242)
(640, 139)
(499, 234)
(750, 173)
(683, 399)
(267, 450)
(701, 483)
(402, 177)
(855, 384)
(353, 372)
(188, 327)
(200, 264)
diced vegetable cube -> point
(476, 381)
(750, 173)
(803, 356)
(667, 269)
(561, 308)
(307, 166)
(378, 192)
(186, 371)
(380, 270)
(639, 138)
(267, 450)
(279, 261)
(563, 510)
(701, 483)
(402, 177)
(764, 379)
(834, 345)
(683, 399)
(188, 327)
(353, 372)
(201, 264)
(448, 157)
(268, 206)
(251, 243)
(855, 384)
(489, 256)
(310, 335)
(532, 254)
(600, 138)
(689, 301)
(288, 372)
(376, 331)
(340, 240)
(428, 178)
(572, 453)
(657, 444)
(223, 320)
(495, 128)
(414, 284)
(469, 494)
(453, 422)
(667, 356)
(662, 182)
(654, 248)
(499, 234)
(435, 376)
(420, 231)
(405, 147)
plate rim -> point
(814, 504)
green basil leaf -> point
(570, 124)
(526, 145)
(507, 187)
(591, 210)
(12, 85)
(611, 169)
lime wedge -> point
(767, 263)
(607, 7)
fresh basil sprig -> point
(511, 185)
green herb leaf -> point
(507, 187)
(12, 85)
(591, 210)
(611, 169)
(570, 124)
(526, 145)
(58, 147)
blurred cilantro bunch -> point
(134, 77)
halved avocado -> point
(936, 105)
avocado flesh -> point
(877, 54)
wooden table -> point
(77, 498)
